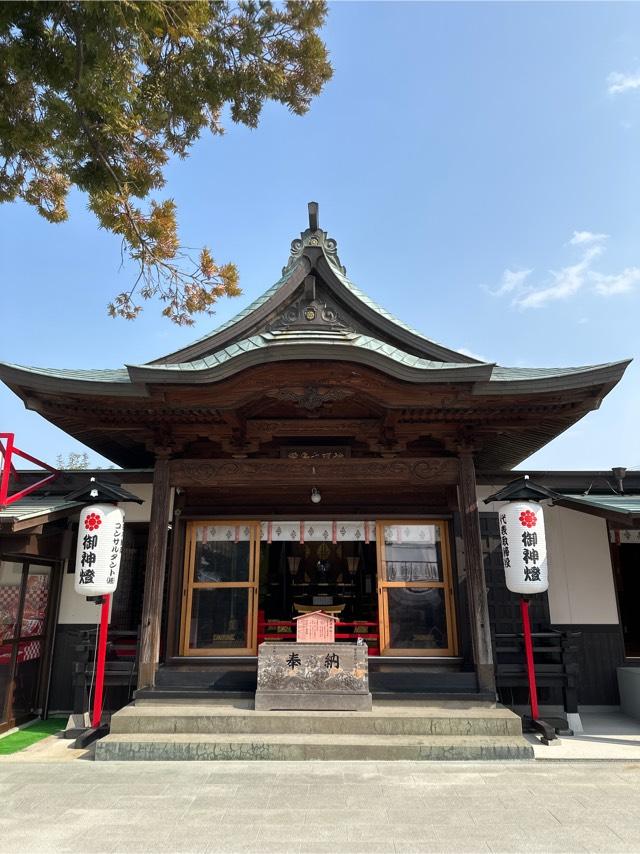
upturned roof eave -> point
(21, 378)
(606, 375)
(321, 351)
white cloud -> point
(511, 280)
(621, 283)
(619, 82)
(581, 237)
(567, 282)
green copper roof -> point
(308, 344)
(315, 252)
(34, 509)
(116, 375)
(620, 504)
(347, 325)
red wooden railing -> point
(268, 630)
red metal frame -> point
(100, 660)
(528, 649)
(7, 450)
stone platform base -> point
(391, 731)
(275, 701)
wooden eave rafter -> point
(509, 430)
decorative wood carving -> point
(431, 470)
(310, 397)
(317, 312)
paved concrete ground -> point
(607, 735)
(354, 807)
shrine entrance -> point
(387, 583)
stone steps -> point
(384, 720)
(296, 747)
(401, 730)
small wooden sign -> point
(316, 627)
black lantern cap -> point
(99, 491)
(523, 489)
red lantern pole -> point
(528, 649)
(101, 656)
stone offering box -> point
(313, 677)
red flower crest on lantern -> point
(92, 522)
(528, 519)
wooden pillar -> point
(476, 584)
(154, 575)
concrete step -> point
(292, 747)
(386, 719)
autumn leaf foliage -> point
(99, 95)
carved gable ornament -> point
(314, 237)
(306, 313)
(310, 397)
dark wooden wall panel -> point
(600, 652)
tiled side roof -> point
(32, 508)
(620, 503)
(116, 375)
(501, 374)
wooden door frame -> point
(446, 585)
(189, 585)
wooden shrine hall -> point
(315, 452)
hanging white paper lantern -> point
(524, 547)
(99, 549)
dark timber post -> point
(154, 576)
(476, 585)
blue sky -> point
(478, 165)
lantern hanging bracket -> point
(102, 492)
(523, 489)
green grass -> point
(26, 737)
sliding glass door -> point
(220, 591)
(414, 589)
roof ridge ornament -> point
(314, 236)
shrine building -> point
(316, 453)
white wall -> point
(74, 608)
(138, 512)
(581, 588)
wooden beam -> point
(368, 472)
(154, 575)
(476, 584)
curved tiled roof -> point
(380, 340)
